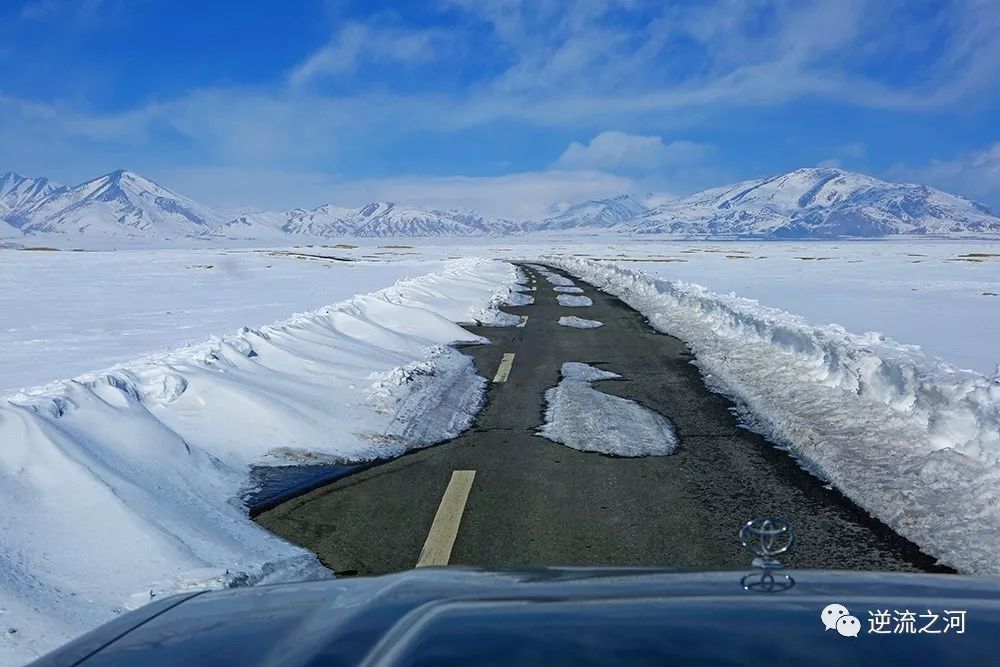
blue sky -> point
(500, 105)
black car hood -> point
(573, 616)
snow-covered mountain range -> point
(18, 192)
(807, 203)
(376, 219)
(119, 204)
(823, 203)
(597, 213)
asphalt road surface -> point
(521, 500)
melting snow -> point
(519, 298)
(579, 322)
(581, 417)
(573, 301)
(551, 276)
(568, 290)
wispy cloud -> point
(613, 150)
(975, 175)
(357, 43)
(519, 195)
(79, 14)
(651, 70)
(849, 152)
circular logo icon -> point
(767, 538)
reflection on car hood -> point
(598, 616)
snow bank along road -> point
(124, 485)
(501, 495)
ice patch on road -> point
(552, 277)
(124, 485)
(518, 298)
(557, 280)
(579, 322)
(568, 290)
(581, 417)
(574, 301)
(910, 438)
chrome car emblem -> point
(767, 538)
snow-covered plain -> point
(913, 440)
(66, 313)
(942, 296)
(581, 417)
(905, 435)
(935, 294)
(124, 485)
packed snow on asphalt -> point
(574, 300)
(552, 277)
(579, 416)
(579, 322)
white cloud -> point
(556, 66)
(975, 175)
(551, 64)
(856, 149)
(237, 190)
(359, 42)
(79, 15)
(39, 10)
(619, 150)
(850, 152)
(519, 196)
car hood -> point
(439, 616)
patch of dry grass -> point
(660, 260)
(309, 256)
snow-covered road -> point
(638, 463)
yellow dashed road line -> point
(444, 529)
(503, 372)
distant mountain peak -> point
(595, 213)
(379, 219)
(119, 203)
(818, 202)
(21, 192)
(376, 208)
